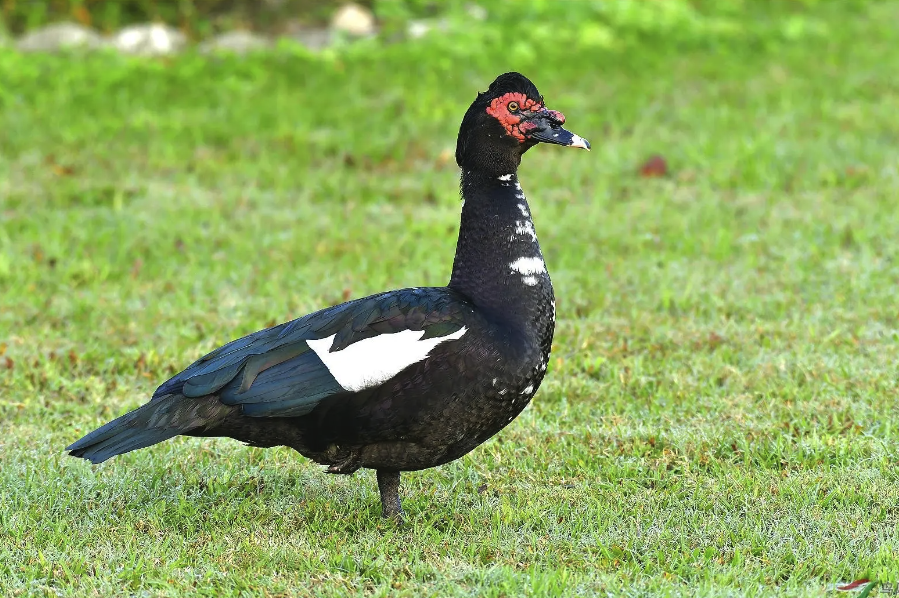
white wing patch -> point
(370, 362)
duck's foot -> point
(389, 485)
(349, 464)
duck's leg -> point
(389, 485)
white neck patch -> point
(370, 362)
(528, 265)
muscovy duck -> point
(404, 380)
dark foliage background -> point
(202, 17)
(195, 17)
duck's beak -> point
(546, 126)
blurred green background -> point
(719, 417)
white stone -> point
(59, 36)
(419, 28)
(354, 20)
(476, 12)
(311, 38)
(149, 39)
(375, 360)
(237, 42)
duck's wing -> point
(287, 370)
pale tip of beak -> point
(578, 141)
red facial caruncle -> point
(509, 110)
(557, 116)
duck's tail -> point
(160, 419)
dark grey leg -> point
(389, 485)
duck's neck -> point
(498, 264)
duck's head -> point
(506, 121)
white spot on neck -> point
(370, 362)
(528, 265)
(528, 389)
(531, 281)
(524, 209)
(506, 177)
(526, 227)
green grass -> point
(720, 413)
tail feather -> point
(158, 420)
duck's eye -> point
(513, 106)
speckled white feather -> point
(526, 227)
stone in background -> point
(156, 39)
(354, 20)
(235, 42)
(149, 39)
(59, 36)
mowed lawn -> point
(720, 414)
